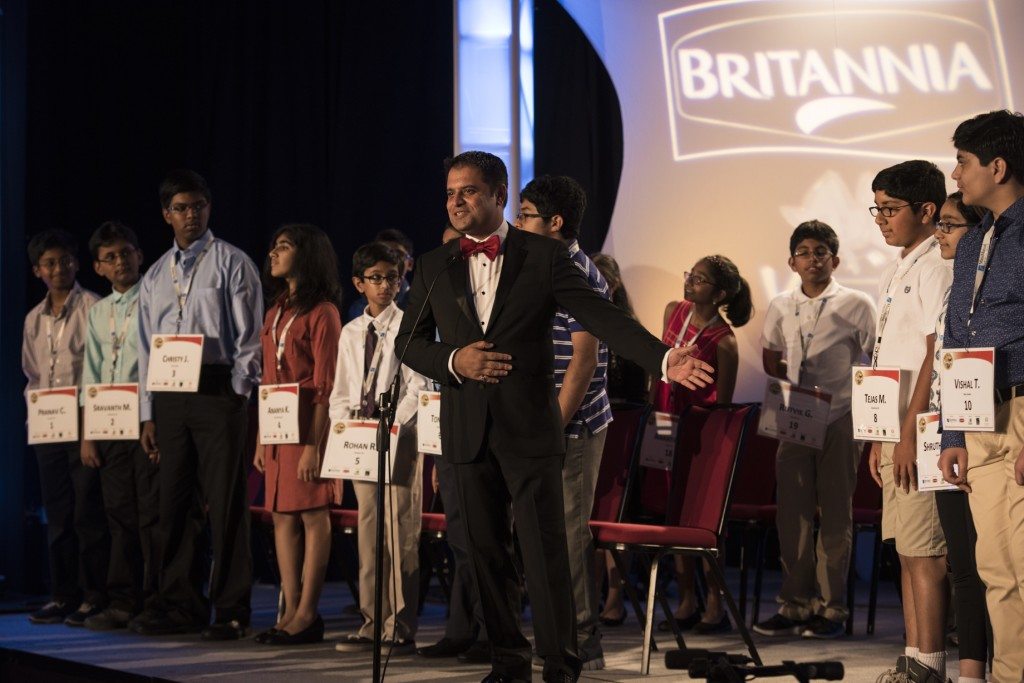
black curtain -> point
(578, 122)
(335, 113)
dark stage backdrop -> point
(336, 113)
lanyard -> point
(979, 274)
(182, 294)
(54, 343)
(883, 316)
(686, 325)
(370, 377)
(279, 344)
(805, 340)
(117, 340)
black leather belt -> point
(1007, 393)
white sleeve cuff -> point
(451, 366)
(664, 367)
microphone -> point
(808, 671)
(681, 659)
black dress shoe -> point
(263, 637)
(314, 633)
(164, 625)
(477, 653)
(225, 630)
(500, 678)
(446, 647)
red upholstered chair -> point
(867, 516)
(696, 507)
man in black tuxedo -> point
(490, 296)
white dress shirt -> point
(349, 371)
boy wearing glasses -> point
(201, 286)
(128, 476)
(908, 198)
(367, 364)
(986, 305)
(813, 333)
(51, 356)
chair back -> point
(867, 496)
(430, 500)
(619, 462)
(707, 484)
(649, 498)
(754, 483)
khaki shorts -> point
(910, 518)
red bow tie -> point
(489, 247)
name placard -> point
(112, 412)
(929, 448)
(175, 361)
(52, 415)
(968, 389)
(875, 403)
(658, 448)
(428, 422)
(352, 451)
(795, 414)
(279, 413)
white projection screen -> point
(743, 118)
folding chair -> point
(697, 505)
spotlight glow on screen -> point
(743, 118)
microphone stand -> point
(388, 403)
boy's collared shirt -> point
(838, 330)
(113, 318)
(917, 283)
(60, 340)
(350, 368)
(224, 304)
(595, 411)
(999, 309)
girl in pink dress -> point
(716, 299)
(300, 345)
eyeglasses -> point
(889, 211)
(520, 216)
(51, 263)
(111, 259)
(185, 208)
(819, 254)
(946, 227)
(378, 280)
(695, 279)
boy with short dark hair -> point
(813, 333)
(908, 198)
(367, 364)
(986, 306)
(128, 475)
(51, 356)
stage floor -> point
(188, 659)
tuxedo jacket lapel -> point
(512, 262)
(458, 275)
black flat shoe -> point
(723, 626)
(263, 637)
(314, 633)
(608, 621)
(684, 624)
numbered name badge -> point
(428, 422)
(929, 448)
(658, 448)
(52, 415)
(968, 389)
(112, 412)
(352, 451)
(279, 413)
(875, 403)
(174, 362)
(795, 414)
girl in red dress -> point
(716, 299)
(300, 345)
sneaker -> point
(822, 628)
(108, 620)
(920, 672)
(354, 642)
(779, 625)
(84, 611)
(52, 612)
(593, 664)
(897, 674)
